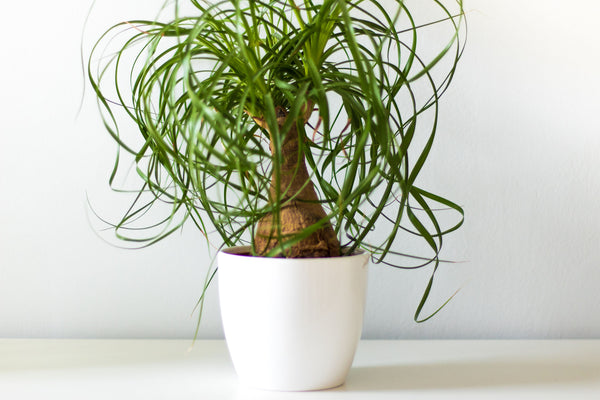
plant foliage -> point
(194, 86)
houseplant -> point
(288, 127)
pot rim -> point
(244, 251)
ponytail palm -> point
(287, 125)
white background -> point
(518, 148)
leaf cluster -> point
(194, 86)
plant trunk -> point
(300, 207)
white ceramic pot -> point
(291, 324)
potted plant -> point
(290, 129)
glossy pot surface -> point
(292, 324)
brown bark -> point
(300, 208)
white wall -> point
(518, 149)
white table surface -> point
(168, 369)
